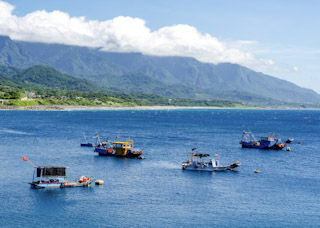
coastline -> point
(90, 108)
(84, 108)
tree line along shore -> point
(58, 100)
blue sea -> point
(156, 192)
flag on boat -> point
(24, 158)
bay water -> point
(156, 192)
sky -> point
(275, 37)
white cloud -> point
(127, 34)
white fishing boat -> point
(202, 162)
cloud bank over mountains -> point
(127, 34)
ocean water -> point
(156, 192)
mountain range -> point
(181, 77)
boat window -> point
(117, 145)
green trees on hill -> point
(50, 87)
(11, 94)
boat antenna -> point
(24, 158)
(85, 137)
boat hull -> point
(265, 147)
(197, 168)
(46, 185)
(87, 144)
(210, 168)
(109, 152)
(61, 185)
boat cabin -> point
(268, 138)
(46, 171)
(121, 148)
(49, 174)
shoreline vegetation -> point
(105, 107)
(55, 100)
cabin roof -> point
(123, 142)
(51, 171)
(201, 155)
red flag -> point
(24, 158)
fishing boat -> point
(87, 144)
(54, 177)
(119, 149)
(202, 162)
(265, 142)
(98, 141)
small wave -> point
(164, 164)
(9, 131)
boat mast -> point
(216, 160)
(193, 149)
(34, 171)
(41, 172)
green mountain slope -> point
(13, 55)
(57, 88)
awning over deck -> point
(51, 171)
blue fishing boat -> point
(266, 142)
(202, 162)
(119, 149)
(98, 141)
(87, 144)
